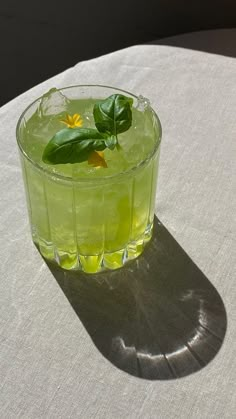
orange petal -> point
(96, 159)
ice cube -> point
(52, 103)
(143, 103)
(46, 120)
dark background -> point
(42, 38)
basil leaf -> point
(73, 145)
(113, 115)
(111, 142)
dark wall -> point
(41, 38)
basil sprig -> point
(113, 116)
(74, 145)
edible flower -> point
(96, 159)
(73, 121)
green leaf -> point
(111, 142)
(113, 115)
(73, 145)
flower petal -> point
(76, 117)
(96, 159)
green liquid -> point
(91, 219)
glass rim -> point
(86, 180)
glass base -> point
(94, 263)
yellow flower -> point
(73, 121)
(96, 159)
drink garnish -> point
(73, 121)
(75, 144)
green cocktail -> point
(83, 216)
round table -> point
(49, 364)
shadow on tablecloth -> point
(158, 318)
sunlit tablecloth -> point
(49, 366)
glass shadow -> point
(158, 318)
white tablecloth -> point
(49, 365)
